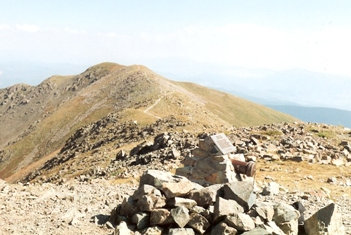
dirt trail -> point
(147, 110)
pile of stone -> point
(211, 162)
(172, 204)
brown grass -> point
(293, 175)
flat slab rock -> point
(171, 185)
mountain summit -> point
(37, 120)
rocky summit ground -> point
(71, 208)
(309, 163)
(77, 207)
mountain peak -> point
(42, 118)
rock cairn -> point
(211, 162)
(170, 204)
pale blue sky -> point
(183, 39)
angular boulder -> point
(206, 196)
(271, 189)
(160, 217)
(223, 229)
(286, 217)
(156, 178)
(171, 185)
(198, 222)
(202, 211)
(146, 189)
(240, 221)
(128, 207)
(225, 207)
(242, 192)
(150, 202)
(208, 169)
(179, 201)
(265, 211)
(181, 188)
(326, 221)
(180, 216)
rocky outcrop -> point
(169, 201)
(165, 148)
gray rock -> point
(206, 145)
(150, 202)
(242, 192)
(290, 228)
(240, 221)
(225, 207)
(171, 185)
(271, 189)
(200, 153)
(211, 170)
(284, 213)
(115, 217)
(179, 201)
(202, 211)
(128, 207)
(273, 228)
(122, 229)
(146, 189)
(325, 221)
(180, 215)
(206, 196)
(156, 178)
(223, 229)
(180, 188)
(299, 206)
(160, 217)
(286, 217)
(265, 211)
(141, 220)
(198, 222)
(181, 231)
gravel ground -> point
(72, 208)
(83, 207)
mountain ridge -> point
(37, 120)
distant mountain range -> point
(317, 114)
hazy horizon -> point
(280, 51)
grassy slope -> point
(237, 111)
